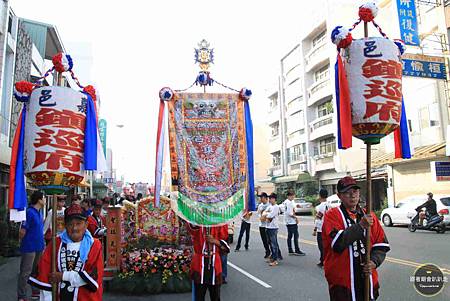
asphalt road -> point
(298, 278)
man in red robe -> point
(96, 221)
(79, 275)
(343, 234)
(206, 265)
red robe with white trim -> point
(91, 272)
(200, 266)
(95, 225)
(342, 267)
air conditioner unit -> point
(270, 172)
(303, 167)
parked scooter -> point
(431, 223)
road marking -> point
(390, 259)
(248, 275)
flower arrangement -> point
(154, 270)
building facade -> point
(302, 114)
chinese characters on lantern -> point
(54, 143)
(385, 82)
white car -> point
(402, 213)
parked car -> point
(302, 206)
(333, 201)
(402, 213)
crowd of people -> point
(340, 233)
(81, 230)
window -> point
(273, 102)
(319, 38)
(327, 146)
(276, 159)
(295, 152)
(275, 128)
(325, 109)
(429, 116)
(322, 74)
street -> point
(298, 278)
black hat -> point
(273, 195)
(346, 183)
(74, 211)
(263, 195)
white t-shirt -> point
(289, 214)
(59, 220)
(261, 208)
(272, 213)
(322, 208)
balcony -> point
(319, 90)
(275, 171)
(296, 168)
(325, 162)
(316, 56)
(321, 127)
(273, 115)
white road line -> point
(249, 275)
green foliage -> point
(139, 284)
(384, 205)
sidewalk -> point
(8, 279)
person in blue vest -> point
(32, 244)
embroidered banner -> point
(159, 223)
(208, 156)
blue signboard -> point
(441, 170)
(407, 18)
(424, 66)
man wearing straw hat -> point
(343, 234)
(79, 264)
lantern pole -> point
(368, 197)
(54, 213)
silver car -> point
(301, 207)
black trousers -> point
(245, 227)
(265, 240)
(200, 292)
(292, 234)
(320, 245)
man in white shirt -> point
(60, 227)
(292, 225)
(320, 213)
(245, 227)
(271, 215)
(263, 223)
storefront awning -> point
(300, 178)
(433, 151)
(285, 179)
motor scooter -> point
(430, 223)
